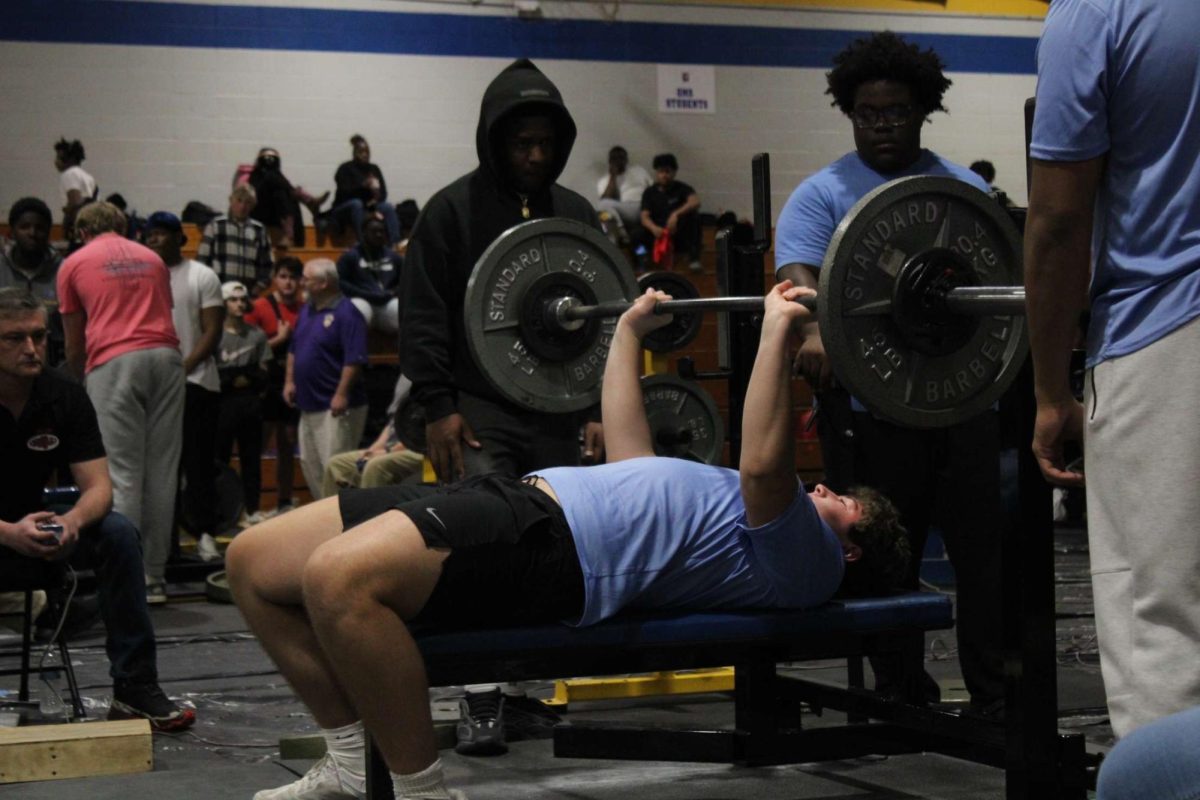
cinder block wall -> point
(169, 97)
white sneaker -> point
(156, 593)
(206, 547)
(324, 781)
(258, 517)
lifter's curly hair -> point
(887, 57)
(882, 568)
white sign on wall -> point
(687, 89)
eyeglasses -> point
(890, 117)
(16, 339)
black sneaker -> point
(480, 728)
(147, 701)
(527, 717)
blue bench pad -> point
(913, 611)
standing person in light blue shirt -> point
(949, 477)
(569, 544)
(1115, 198)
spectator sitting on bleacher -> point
(361, 190)
(276, 312)
(620, 190)
(369, 274)
(669, 207)
(324, 371)
(386, 462)
(279, 201)
(242, 361)
(29, 262)
(236, 246)
(77, 185)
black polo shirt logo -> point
(43, 442)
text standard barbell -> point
(917, 305)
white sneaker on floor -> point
(324, 781)
(156, 593)
(258, 517)
(206, 547)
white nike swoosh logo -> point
(230, 355)
(433, 514)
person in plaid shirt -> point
(236, 246)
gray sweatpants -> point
(139, 402)
(1143, 501)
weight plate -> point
(684, 327)
(508, 278)
(943, 370)
(216, 588)
(684, 421)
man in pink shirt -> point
(115, 299)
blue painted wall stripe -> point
(132, 23)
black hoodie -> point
(457, 225)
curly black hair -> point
(71, 151)
(27, 205)
(886, 56)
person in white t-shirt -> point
(620, 189)
(198, 314)
(78, 187)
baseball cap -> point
(232, 289)
(167, 221)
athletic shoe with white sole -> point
(480, 730)
(148, 701)
(324, 781)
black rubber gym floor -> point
(244, 708)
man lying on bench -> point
(573, 545)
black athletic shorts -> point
(512, 561)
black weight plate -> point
(684, 420)
(683, 328)
(868, 351)
(497, 293)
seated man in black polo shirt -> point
(669, 206)
(47, 423)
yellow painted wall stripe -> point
(1003, 8)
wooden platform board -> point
(80, 750)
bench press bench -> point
(766, 721)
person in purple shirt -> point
(324, 371)
(887, 88)
(566, 544)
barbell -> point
(917, 305)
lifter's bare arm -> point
(768, 464)
(626, 429)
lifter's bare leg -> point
(265, 566)
(329, 610)
(359, 589)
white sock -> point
(347, 746)
(428, 784)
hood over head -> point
(521, 88)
